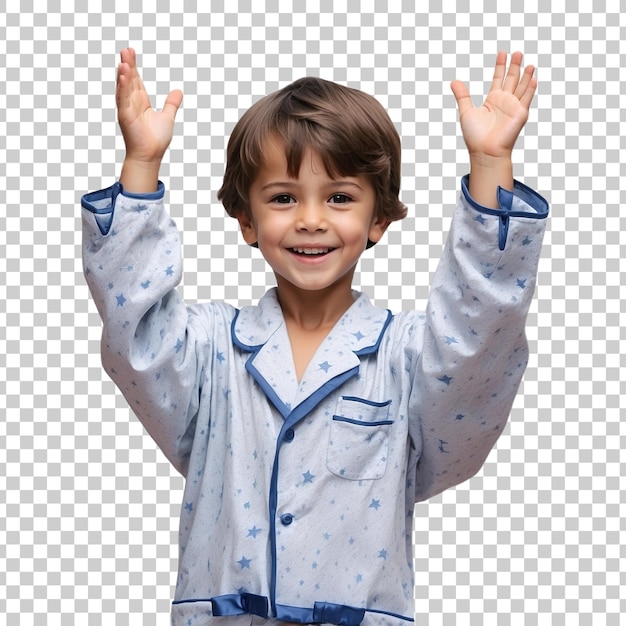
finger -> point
(135, 76)
(172, 103)
(126, 81)
(525, 81)
(129, 57)
(462, 96)
(121, 87)
(512, 78)
(498, 72)
(528, 95)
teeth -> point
(312, 250)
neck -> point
(314, 310)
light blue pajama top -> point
(299, 497)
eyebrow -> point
(292, 183)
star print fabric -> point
(299, 495)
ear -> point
(378, 228)
(248, 230)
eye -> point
(283, 198)
(340, 198)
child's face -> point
(311, 229)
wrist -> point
(490, 161)
(486, 175)
(139, 176)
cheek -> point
(270, 234)
(356, 231)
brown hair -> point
(349, 129)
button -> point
(286, 519)
(289, 434)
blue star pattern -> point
(253, 532)
(244, 563)
(309, 479)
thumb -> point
(462, 96)
(172, 103)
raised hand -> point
(492, 129)
(147, 133)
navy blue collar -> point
(261, 330)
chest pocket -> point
(359, 439)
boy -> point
(309, 425)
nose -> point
(311, 216)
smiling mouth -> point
(311, 251)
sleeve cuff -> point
(102, 203)
(521, 202)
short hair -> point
(349, 129)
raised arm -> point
(152, 344)
(147, 133)
(490, 131)
(474, 348)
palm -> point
(493, 128)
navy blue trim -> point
(340, 418)
(402, 617)
(505, 201)
(364, 401)
(374, 347)
(191, 600)
(363, 351)
(273, 506)
(293, 418)
(107, 212)
(321, 613)
(238, 604)
(153, 195)
(111, 193)
(330, 613)
(272, 396)
(304, 408)
(239, 344)
(234, 604)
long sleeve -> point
(474, 349)
(151, 343)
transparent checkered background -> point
(89, 507)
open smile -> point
(311, 251)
